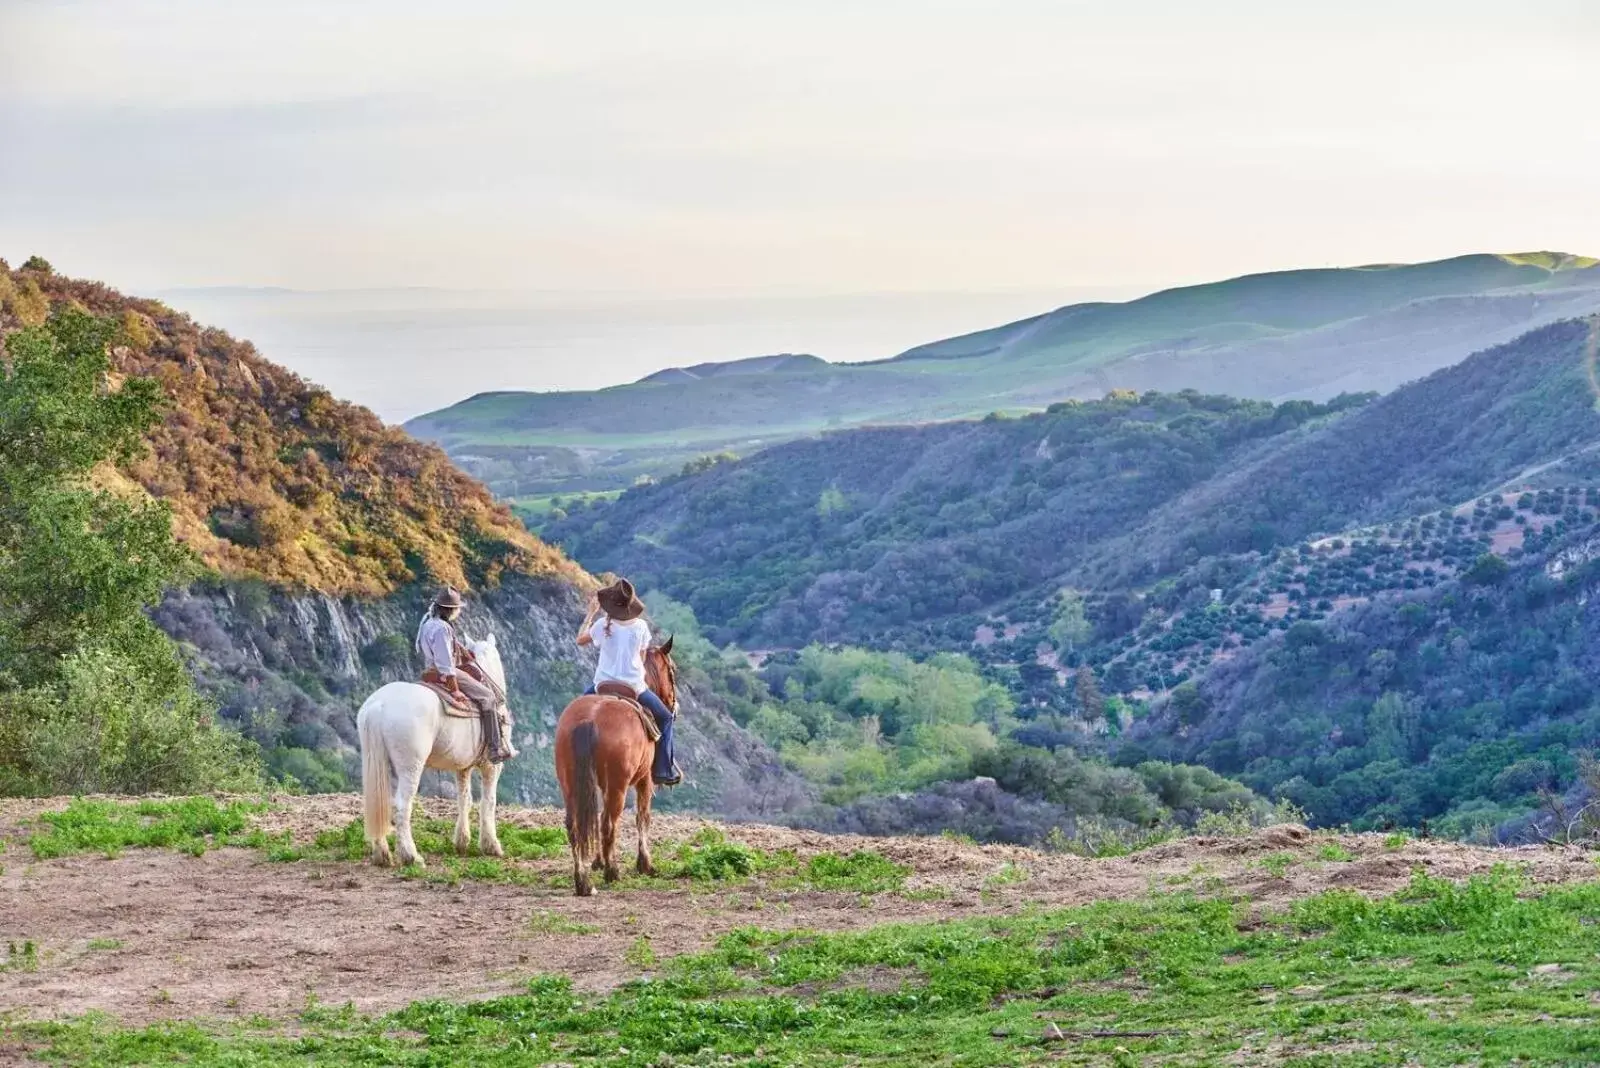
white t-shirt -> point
(622, 652)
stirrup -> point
(673, 780)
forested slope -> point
(862, 534)
(875, 532)
(1458, 705)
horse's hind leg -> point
(616, 800)
(463, 835)
(641, 805)
(405, 788)
(488, 833)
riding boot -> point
(490, 718)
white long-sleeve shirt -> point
(436, 641)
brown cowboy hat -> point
(448, 597)
(620, 602)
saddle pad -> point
(454, 704)
(646, 720)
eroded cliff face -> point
(291, 670)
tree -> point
(1487, 570)
(1088, 691)
(92, 695)
(1070, 627)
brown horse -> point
(602, 751)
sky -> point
(704, 150)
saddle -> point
(455, 702)
(621, 691)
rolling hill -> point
(1287, 335)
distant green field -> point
(535, 511)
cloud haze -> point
(822, 147)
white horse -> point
(404, 729)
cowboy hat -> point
(620, 602)
(448, 597)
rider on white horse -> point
(448, 664)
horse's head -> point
(662, 674)
(487, 656)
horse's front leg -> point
(488, 836)
(463, 836)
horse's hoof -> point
(493, 849)
(612, 875)
(584, 889)
(597, 865)
(463, 846)
(645, 867)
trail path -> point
(157, 934)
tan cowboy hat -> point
(620, 602)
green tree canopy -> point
(92, 695)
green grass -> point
(546, 922)
(1482, 973)
(21, 957)
(1333, 851)
(191, 825)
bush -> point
(111, 725)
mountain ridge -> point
(1307, 334)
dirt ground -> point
(156, 934)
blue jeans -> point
(662, 769)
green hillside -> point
(1294, 334)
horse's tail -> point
(585, 800)
(376, 791)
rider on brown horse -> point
(448, 665)
(622, 638)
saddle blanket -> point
(455, 704)
(646, 720)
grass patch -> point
(21, 957)
(191, 825)
(1333, 851)
(641, 954)
(104, 944)
(1277, 865)
(1438, 974)
(1009, 874)
(861, 872)
(435, 839)
(545, 922)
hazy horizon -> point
(452, 344)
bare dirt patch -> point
(156, 934)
